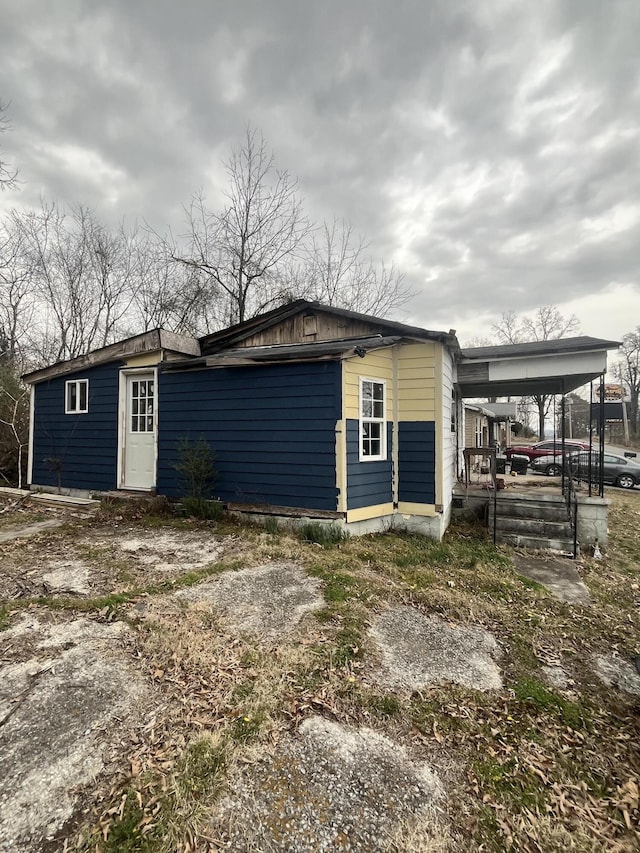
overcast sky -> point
(490, 147)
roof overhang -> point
(551, 369)
(314, 351)
(153, 341)
(494, 411)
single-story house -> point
(488, 424)
(309, 409)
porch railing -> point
(569, 471)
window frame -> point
(142, 406)
(366, 419)
(78, 384)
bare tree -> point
(546, 324)
(339, 272)
(477, 341)
(238, 252)
(628, 372)
(81, 278)
(17, 299)
(8, 177)
(165, 295)
(14, 424)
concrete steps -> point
(533, 527)
(538, 522)
(535, 543)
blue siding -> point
(85, 446)
(368, 483)
(272, 428)
(417, 461)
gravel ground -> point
(268, 601)
(330, 788)
(419, 650)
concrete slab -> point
(267, 601)
(329, 788)
(558, 575)
(50, 498)
(70, 577)
(419, 650)
(9, 492)
(617, 672)
(46, 499)
(61, 704)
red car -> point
(545, 448)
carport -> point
(554, 367)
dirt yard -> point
(173, 685)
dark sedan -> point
(616, 469)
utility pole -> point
(625, 422)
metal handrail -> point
(570, 468)
(495, 498)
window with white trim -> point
(142, 400)
(373, 443)
(76, 397)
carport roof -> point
(553, 347)
(538, 367)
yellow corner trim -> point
(367, 512)
(407, 508)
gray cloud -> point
(490, 147)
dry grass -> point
(527, 768)
(428, 833)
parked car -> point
(544, 448)
(617, 470)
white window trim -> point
(362, 420)
(77, 383)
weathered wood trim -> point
(292, 511)
(179, 343)
(477, 371)
(146, 342)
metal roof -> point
(286, 352)
(582, 343)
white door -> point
(140, 432)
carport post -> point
(562, 438)
(590, 436)
(601, 445)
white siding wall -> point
(448, 438)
